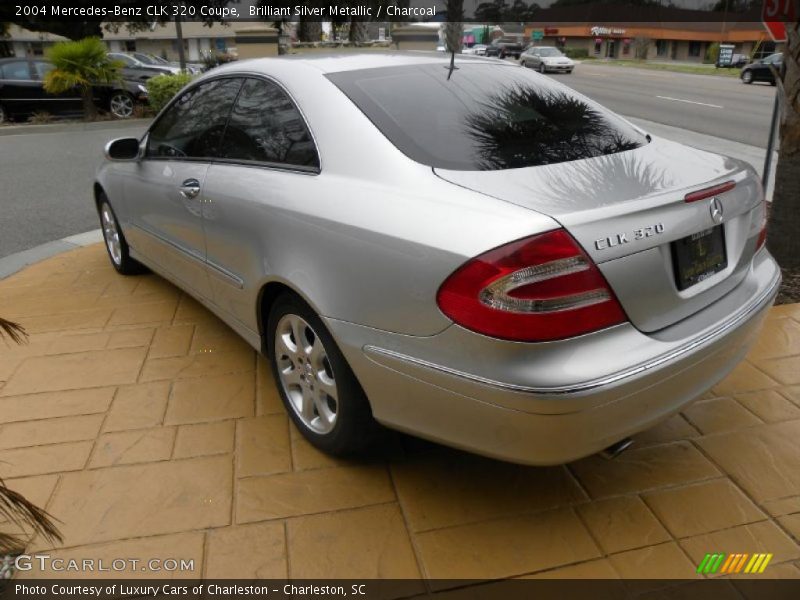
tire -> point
(306, 372)
(121, 105)
(747, 77)
(542, 68)
(3, 115)
(523, 64)
(773, 83)
(116, 246)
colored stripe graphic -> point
(719, 562)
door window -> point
(193, 125)
(266, 127)
(40, 69)
(16, 70)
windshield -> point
(483, 117)
(549, 52)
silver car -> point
(478, 256)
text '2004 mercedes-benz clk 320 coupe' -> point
(475, 255)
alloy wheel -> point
(111, 234)
(121, 105)
(541, 68)
(306, 374)
(747, 77)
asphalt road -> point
(46, 178)
(46, 184)
(720, 106)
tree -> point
(80, 65)
(13, 506)
(784, 226)
(78, 30)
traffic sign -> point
(775, 14)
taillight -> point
(709, 191)
(539, 288)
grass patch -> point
(659, 66)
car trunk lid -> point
(629, 210)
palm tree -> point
(13, 506)
(81, 65)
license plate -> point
(699, 256)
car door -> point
(268, 165)
(164, 190)
(66, 103)
(19, 92)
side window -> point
(40, 69)
(193, 126)
(265, 126)
(16, 70)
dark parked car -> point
(502, 47)
(761, 70)
(22, 93)
(136, 70)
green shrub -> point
(576, 52)
(162, 88)
(712, 53)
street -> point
(46, 177)
(720, 106)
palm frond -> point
(13, 330)
(20, 512)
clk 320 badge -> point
(623, 238)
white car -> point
(546, 59)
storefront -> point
(681, 42)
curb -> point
(16, 262)
(66, 127)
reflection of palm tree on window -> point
(521, 126)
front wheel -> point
(542, 68)
(747, 77)
(317, 386)
(116, 246)
(121, 105)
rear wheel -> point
(116, 246)
(121, 105)
(317, 386)
(747, 77)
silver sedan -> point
(475, 255)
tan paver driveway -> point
(150, 430)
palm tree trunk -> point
(358, 31)
(89, 108)
(783, 239)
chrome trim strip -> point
(756, 306)
(225, 275)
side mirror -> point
(122, 149)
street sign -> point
(725, 58)
(537, 34)
(775, 14)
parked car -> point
(477, 49)
(503, 47)
(546, 59)
(480, 256)
(761, 70)
(153, 60)
(22, 93)
(136, 70)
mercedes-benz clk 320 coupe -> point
(478, 256)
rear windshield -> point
(483, 117)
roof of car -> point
(338, 62)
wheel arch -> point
(267, 296)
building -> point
(676, 41)
(243, 39)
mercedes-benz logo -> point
(716, 210)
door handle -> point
(190, 188)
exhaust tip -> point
(614, 450)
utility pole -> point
(179, 39)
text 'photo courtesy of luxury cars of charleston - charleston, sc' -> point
(399, 299)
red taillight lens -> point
(536, 289)
(709, 191)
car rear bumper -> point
(543, 424)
